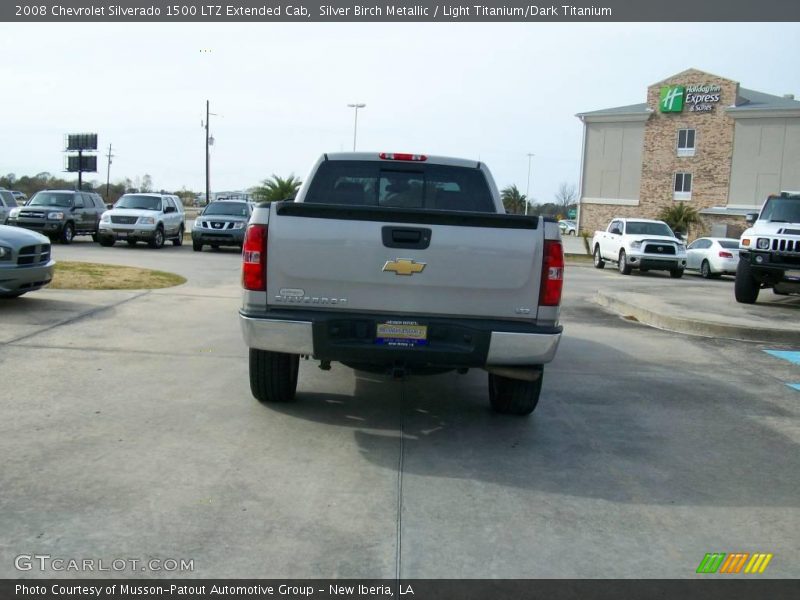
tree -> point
(565, 196)
(513, 201)
(680, 217)
(276, 188)
(147, 183)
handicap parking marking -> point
(792, 356)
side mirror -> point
(169, 209)
(751, 218)
(109, 206)
(616, 231)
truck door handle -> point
(406, 237)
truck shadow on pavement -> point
(640, 434)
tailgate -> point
(434, 263)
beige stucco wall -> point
(766, 159)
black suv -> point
(61, 214)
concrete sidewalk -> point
(707, 308)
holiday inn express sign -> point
(696, 98)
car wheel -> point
(95, 237)
(197, 246)
(599, 263)
(514, 396)
(705, 270)
(273, 375)
(624, 267)
(215, 246)
(157, 240)
(178, 241)
(746, 287)
(106, 241)
(67, 233)
(676, 273)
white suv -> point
(151, 218)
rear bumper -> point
(451, 343)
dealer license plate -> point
(794, 275)
(403, 334)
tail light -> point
(552, 274)
(401, 156)
(723, 254)
(254, 258)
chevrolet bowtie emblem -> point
(403, 266)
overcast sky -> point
(493, 92)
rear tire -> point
(273, 375)
(705, 270)
(514, 396)
(624, 267)
(745, 288)
(599, 263)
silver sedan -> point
(713, 256)
(25, 261)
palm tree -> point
(680, 217)
(276, 188)
(513, 201)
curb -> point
(697, 327)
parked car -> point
(144, 217)
(60, 214)
(568, 227)
(713, 256)
(769, 250)
(7, 203)
(222, 223)
(641, 244)
(25, 261)
(20, 197)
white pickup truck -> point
(401, 264)
(641, 244)
(769, 250)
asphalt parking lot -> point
(129, 431)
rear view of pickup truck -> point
(401, 264)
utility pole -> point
(528, 188)
(208, 158)
(109, 156)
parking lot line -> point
(792, 356)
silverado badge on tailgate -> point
(403, 266)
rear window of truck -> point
(372, 183)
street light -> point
(355, 106)
(528, 188)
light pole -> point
(528, 188)
(355, 106)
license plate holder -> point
(401, 334)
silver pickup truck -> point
(401, 264)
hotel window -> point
(686, 142)
(682, 188)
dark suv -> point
(61, 214)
